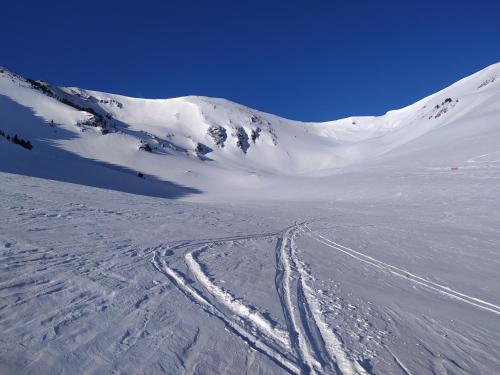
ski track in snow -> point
(400, 364)
(246, 313)
(308, 360)
(474, 301)
(232, 324)
(330, 342)
(483, 159)
(66, 284)
(309, 346)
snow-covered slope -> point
(200, 144)
(367, 245)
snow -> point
(365, 245)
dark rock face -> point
(255, 134)
(444, 107)
(93, 121)
(242, 137)
(218, 134)
(273, 134)
(202, 150)
(145, 147)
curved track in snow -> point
(308, 346)
(232, 323)
(248, 315)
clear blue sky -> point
(306, 60)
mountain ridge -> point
(194, 139)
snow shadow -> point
(49, 161)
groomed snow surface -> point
(249, 243)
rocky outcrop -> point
(218, 134)
(242, 139)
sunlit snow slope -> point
(197, 145)
(367, 245)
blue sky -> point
(306, 60)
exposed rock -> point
(218, 134)
(440, 109)
(202, 150)
(242, 137)
(255, 134)
(487, 82)
(93, 121)
(145, 147)
(271, 131)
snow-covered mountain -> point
(366, 245)
(199, 144)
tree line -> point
(17, 140)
